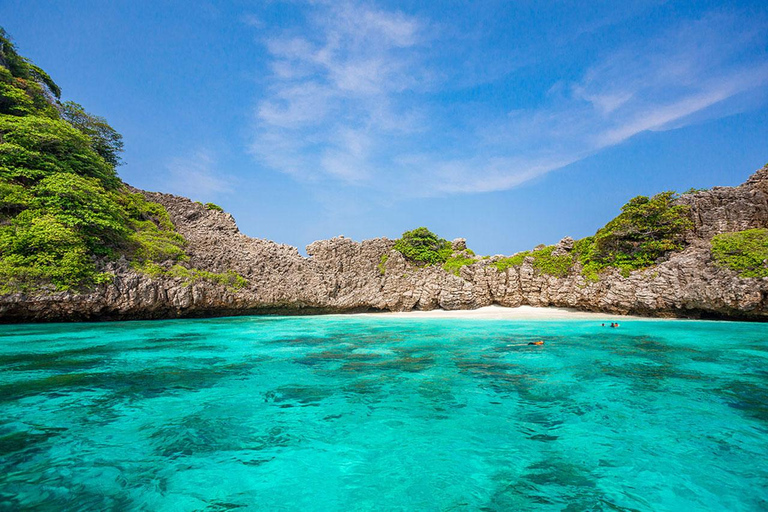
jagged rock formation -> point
(342, 275)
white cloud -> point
(352, 99)
(196, 176)
(333, 97)
(252, 20)
(656, 84)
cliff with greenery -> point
(64, 212)
(647, 230)
(77, 243)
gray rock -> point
(341, 275)
(563, 247)
(459, 244)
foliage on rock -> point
(646, 230)
(423, 247)
(551, 264)
(515, 260)
(104, 139)
(62, 206)
(214, 207)
(229, 279)
(454, 263)
(382, 264)
(745, 252)
(543, 260)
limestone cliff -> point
(341, 275)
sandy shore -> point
(502, 313)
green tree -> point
(39, 248)
(423, 247)
(34, 147)
(104, 139)
(646, 229)
(63, 210)
(83, 204)
(24, 88)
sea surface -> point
(375, 413)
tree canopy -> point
(423, 247)
(62, 205)
(644, 231)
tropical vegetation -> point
(423, 247)
(646, 230)
(64, 211)
(745, 252)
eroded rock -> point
(342, 275)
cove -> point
(369, 413)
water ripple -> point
(350, 413)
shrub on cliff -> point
(34, 147)
(24, 88)
(423, 247)
(104, 139)
(37, 248)
(62, 205)
(512, 261)
(454, 263)
(646, 230)
(745, 252)
(543, 260)
(551, 264)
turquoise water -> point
(360, 413)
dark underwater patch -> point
(748, 398)
(144, 383)
(296, 395)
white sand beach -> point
(504, 313)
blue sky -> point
(508, 123)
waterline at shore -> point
(505, 313)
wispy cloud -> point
(355, 99)
(252, 20)
(335, 94)
(196, 176)
(657, 83)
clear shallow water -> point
(358, 413)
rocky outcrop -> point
(342, 275)
(725, 209)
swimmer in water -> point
(536, 343)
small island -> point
(76, 243)
(153, 356)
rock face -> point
(459, 244)
(341, 275)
